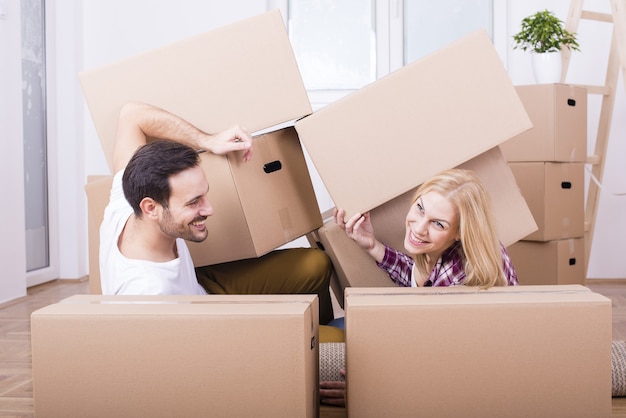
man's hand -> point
(334, 392)
(232, 139)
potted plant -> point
(543, 34)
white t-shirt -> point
(120, 275)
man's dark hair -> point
(148, 171)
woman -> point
(450, 239)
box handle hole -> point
(566, 185)
(571, 102)
(273, 166)
(572, 261)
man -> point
(159, 200)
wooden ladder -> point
(616, 61)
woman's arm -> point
(398, 265)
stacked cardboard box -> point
(548, 163)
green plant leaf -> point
(543, 32)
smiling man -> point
(159, 199)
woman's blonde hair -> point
(480, 247)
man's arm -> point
(138, 121)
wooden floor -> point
(16, 396)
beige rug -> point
(618, 363)
(332, 358)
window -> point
(342, 45)
(430, 25)
(334, 42)
(35, 149)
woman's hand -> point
(359, 228)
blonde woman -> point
(450, 240)
(450, 237)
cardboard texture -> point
(355, 268)
(559, 116)
(522, 351)
(390, 132)
(97, 189)
(208, 80)
(550, 262)
(555, 195)
(177, 356)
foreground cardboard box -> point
(555, 194)
(256, 209)
(524, 351)
(355, 268)
(430, 115)
(156, 356)
(559, 116)
(551, 262)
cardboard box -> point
(97, 189)
(518, 351)
(209, 80)
(264, 203)
(355, 268)
(156, 356)
(559, 115)
(555, 195)
(433, 114)
(550, 262)
(243, 73)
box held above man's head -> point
(207, 79)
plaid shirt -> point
(448, 270)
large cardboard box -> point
(551, 262)
(559, 116)
(355, 268)
(430, 115)
(166, 356)
(555, 195)
(518, 351)
(259, 205)
(244, 73)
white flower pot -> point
(547, 67)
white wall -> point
(98, 32)
(12, 224)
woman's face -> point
(432, 225)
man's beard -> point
(176, 230)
